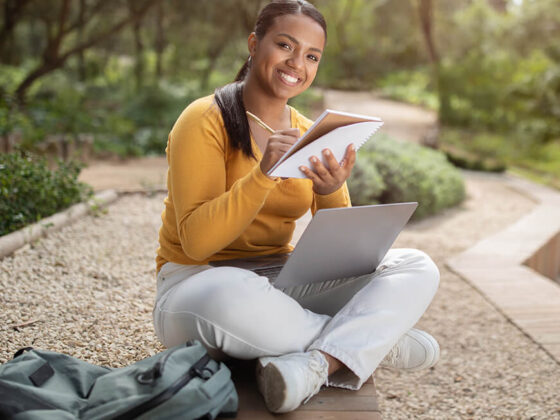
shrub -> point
(29, 190)
(477, 150)
(388, 171)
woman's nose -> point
(295, 61)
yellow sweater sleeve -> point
(339, 198)
(208, 217)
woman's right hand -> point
(278, 144)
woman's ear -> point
(252, 43)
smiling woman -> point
(222, 205)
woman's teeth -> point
(288, 78)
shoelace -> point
(317, 368)
(394, 355)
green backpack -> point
(182, 382)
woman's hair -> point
(229, 98)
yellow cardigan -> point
(219, 204)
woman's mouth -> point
(288, 79)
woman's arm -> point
(339, 198)
(208, 217)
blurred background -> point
(93, 79)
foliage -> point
(493, 79)
(497, 68)
(124, 121)
(389, 171)
(480, 151)
(412, 86)
(494, 151)
(30, 191)
(309, 103)
(367, 39)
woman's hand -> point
(328, 180)
(278, 144)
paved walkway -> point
(518, 268)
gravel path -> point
(88, 290)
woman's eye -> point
(284, 45)
(313, 57)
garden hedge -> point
(30, 191)
(390, 171)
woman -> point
(222, 205)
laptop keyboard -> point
(270, 272)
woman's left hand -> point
(327, 180)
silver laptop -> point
(337, 243)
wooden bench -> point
(329, 404)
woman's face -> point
(286, 59)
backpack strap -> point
(21, 351)
(197, 370)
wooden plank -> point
(310, 415)
(330, 403)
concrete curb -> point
(15, 240)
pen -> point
(259, 121)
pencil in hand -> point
(259, 122)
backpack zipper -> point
(194, 372)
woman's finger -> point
(308, 173)
(349, 158)
(320, 169)
(332, 163)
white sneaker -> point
(415, 350)
(287, 381)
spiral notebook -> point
(334, 130)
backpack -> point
(182, 382)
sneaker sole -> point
(272, 386)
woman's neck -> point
(273, 111)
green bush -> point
(29, 190)
(388, 171)
(477, 150)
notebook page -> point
(337, 141)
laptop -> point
(337, 243)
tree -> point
(425, 14)
(62, 27)
(13, 12)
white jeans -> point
(236, 313)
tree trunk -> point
(81, 55)
(13, 10)
(139, 49)
(425, 12)
(160, 41)
(498, 5)
(138, 45)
